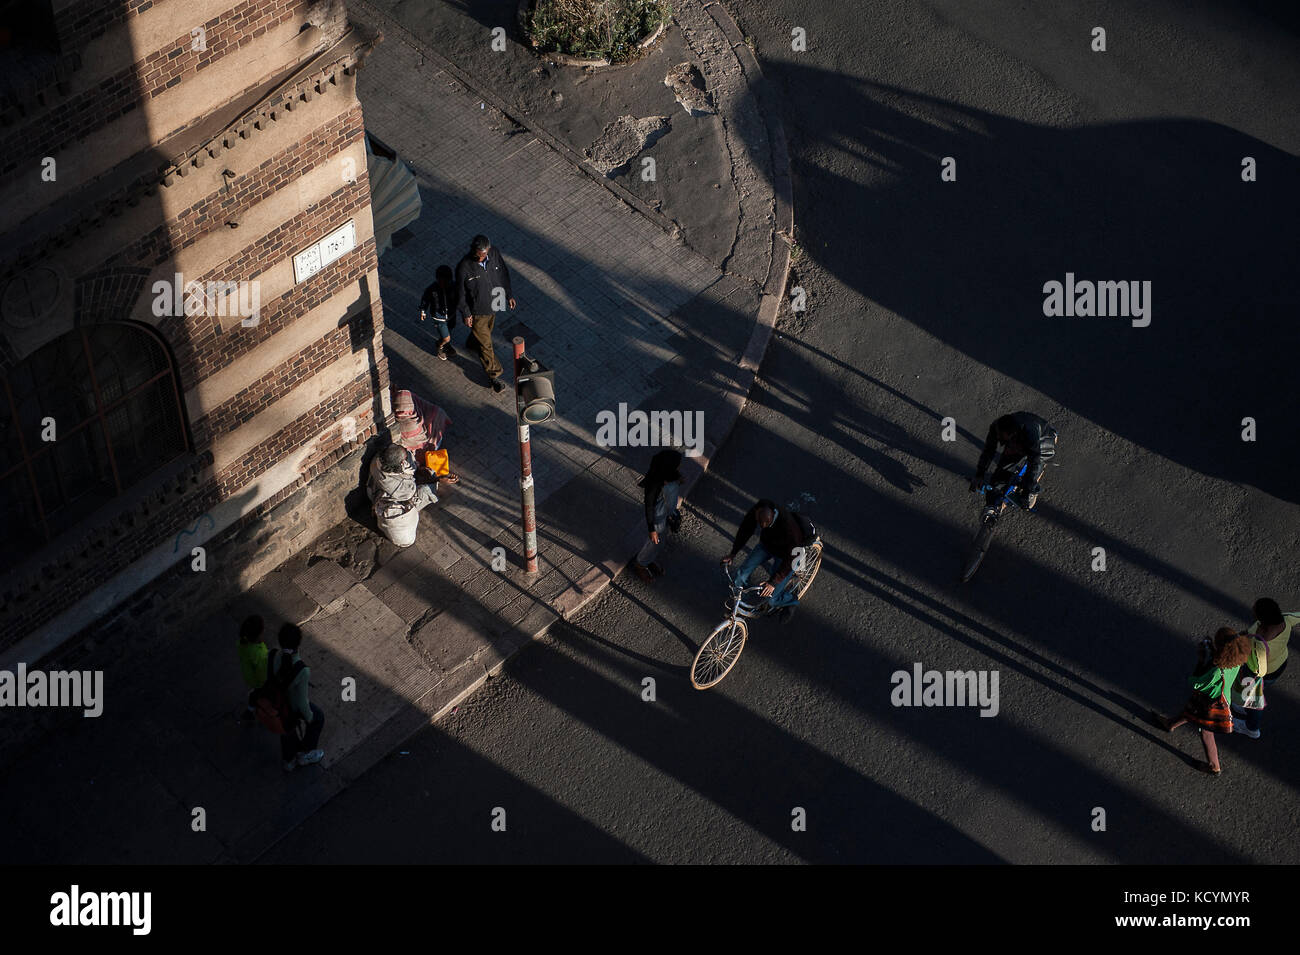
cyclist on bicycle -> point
(1026, 439)
(782, 532)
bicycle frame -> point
(737, 607)
(1006, 494)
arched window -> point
(108, 395)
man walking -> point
(483, 289)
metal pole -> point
(526, 474)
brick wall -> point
(117, 95)
(183, 493)
(80, 23)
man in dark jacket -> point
(1026, 439)
(782, 533)
(483, 289)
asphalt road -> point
(925, 301)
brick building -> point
(190, 324)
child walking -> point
(1219, 659)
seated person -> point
(397, 495)
(422, 424)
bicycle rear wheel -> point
(718, 654)
(812, 563)
(979, 547)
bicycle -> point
(984, 536)
(721, 649)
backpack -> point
(273, 709)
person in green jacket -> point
(1220, 657)
(252, 661)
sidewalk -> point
(622, 311)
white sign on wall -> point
(328, 250)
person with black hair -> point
(439, 303)
(782, 534)
(298, 744)
(1025, 439)
(1273, 629)
(662, 483)
(482, 289)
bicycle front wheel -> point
(979, 547)
(718, 654)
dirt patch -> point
(687, 85)
(622, 140)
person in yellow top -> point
(1273, 628)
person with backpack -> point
(1219, 659)
(284, 707)
(662, 483)
(252, 661)
(782, 533)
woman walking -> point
(1219, 659)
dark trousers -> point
(1255, 717)
(482, 334)
(291, 744)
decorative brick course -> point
(163, 69)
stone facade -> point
(215, 142)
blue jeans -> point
(783, 595)
(665, 504)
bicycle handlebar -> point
(726, 570)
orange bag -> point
(439, 462)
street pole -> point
(525, 473)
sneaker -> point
(655, 569)
(643, 572)
(989, 512)
(448, 351)
(307, 759)
(674, 522)
(498, 385)
(1239, 726)
(290, 766)
(1030, 501)
(442, 353)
